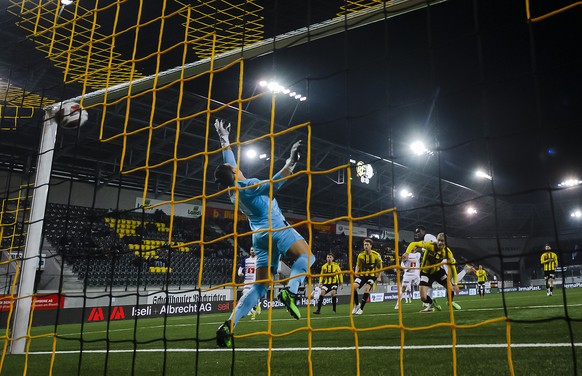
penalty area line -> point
(350, 348)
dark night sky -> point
(502, 93)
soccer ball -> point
(71, 115)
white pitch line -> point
(347, 348)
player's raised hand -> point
(295, 153)
(222, 131)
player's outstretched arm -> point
(223, 132)
(294, 156)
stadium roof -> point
(482, 86)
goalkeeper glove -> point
(222, 132)
(293, 156)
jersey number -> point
(251, 270)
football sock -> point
(299, 266)
(247, 302)
(319, 302)
(428, 300)
(365, 299)
(356, 297)
(333, 301)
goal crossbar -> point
(290, 39)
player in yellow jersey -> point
(329, 282)
(367, 272)
(435, 255)
(481, 278)
(549, 261)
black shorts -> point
(549, 274)
(440, 277)
(482, 284)
(367, 280)
(328, 287)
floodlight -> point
(481, 174)
(418, 148)
(405, 193)
(251, 153)
(572, 182)
(471, 210)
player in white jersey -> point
(411, 276)
(248, 270)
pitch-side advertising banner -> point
(344, 228)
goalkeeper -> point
(264, 215)
(434, 256)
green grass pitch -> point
(542, 332)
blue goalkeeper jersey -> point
(254, 202)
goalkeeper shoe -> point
(223, 338)
(287, 298)
(455, 305)
(356, 307)
(359, 312)
(436, 305)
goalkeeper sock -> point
(319, 302)
(300, 266)
(246, 303)
(356, 297)
(334, 301)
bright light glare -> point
(405, 193)
(570, 183)
(418, 148)
(481, 174)
(66, 2)
(471, 211)
(251, 153)
(263, 156)
(276, 88)
(576, 214)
